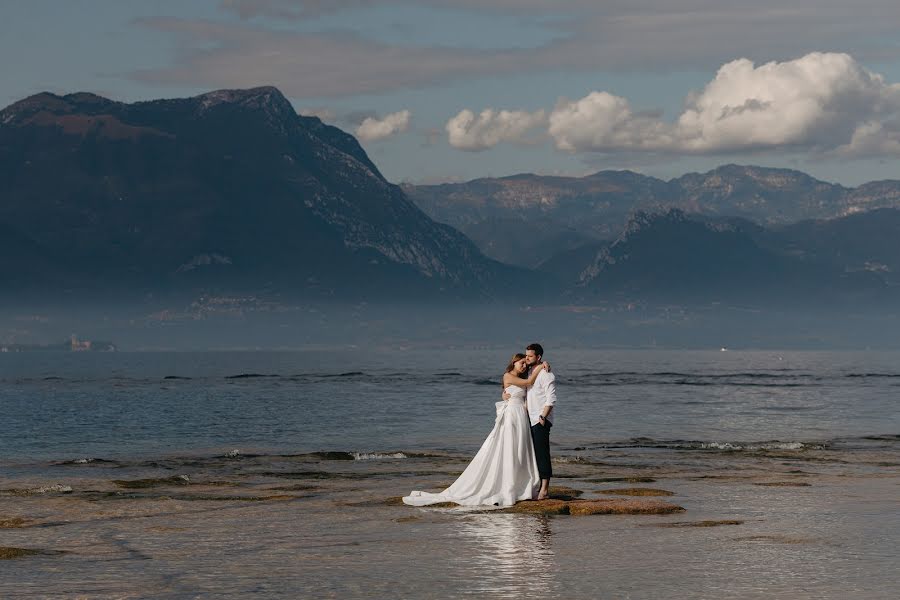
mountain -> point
(232, 192)
(563, 213)
(763, 195)
(523, 219)
(677, 258)
(867, 241)
(229, 190)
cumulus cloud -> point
(372, 128)
(819, 101)
(466, 131)
(824, 102)
(601, 121)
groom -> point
(541, 398)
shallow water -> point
(269, 474)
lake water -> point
(238, 474)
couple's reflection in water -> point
(506, 555)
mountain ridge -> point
(125, 194)
(597, 206)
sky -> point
(452, 90)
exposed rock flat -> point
(606, 506)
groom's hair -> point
(537, 348)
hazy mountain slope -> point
(228, 190)
(598, 206)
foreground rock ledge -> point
(611, 506)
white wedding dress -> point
(504, 471)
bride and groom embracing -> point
(513, 463)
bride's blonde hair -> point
(512, 362)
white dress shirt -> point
(541, 394)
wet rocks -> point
(637, 492)
(621, 479)
(214, 498)
(541, 507)
(8, 552)
(397, 501)
(679, 524)
(44, 489)
(605, 506)
(300, 487)
(134, 484)
(12, 522)
(407, 519)
(561, 492)
(783, 484)
(778, 539)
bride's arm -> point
(510, 379)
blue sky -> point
(446, 90)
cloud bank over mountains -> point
(819, 103)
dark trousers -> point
(540, 435)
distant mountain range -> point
(524, 219)
(673, 257)
(230, 190)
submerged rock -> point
(637, 492)
(133, 484)
(621, 480)
(698, 523)
(12, 522)
(300, 487)
(211, 498)
(779, 539)
(7, 552)
(783, 484)
(407, 519)
(397, 501)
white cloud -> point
(373, 129)
(822, 102)
(601, 121)
(466, 131)
(817, 101)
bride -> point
(504, 471)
